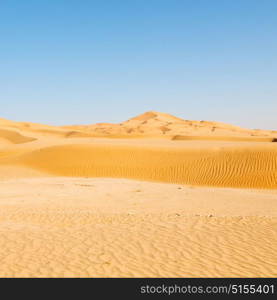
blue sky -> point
(81, 61)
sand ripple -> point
(223, 167)
(68, 227)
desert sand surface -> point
(97, 227)
(154, 196)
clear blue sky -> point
(81, 61)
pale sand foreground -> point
(56, 227)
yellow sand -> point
(14, 137)
(223, 138)
(254, 167)
(201, 202)
(77, 227)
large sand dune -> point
(14, 137)
(195, 179)
(247, 160)
(149, 124)
(247, 167)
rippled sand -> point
(56, 227)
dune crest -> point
(227, 167)
(249, 166)
(223, 138)
(149, 124)
(248, 160)
(153, 123)
(15, 137)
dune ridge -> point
(148, 124)
(223, 138)
(15, 137)
(224, 167)
(249, 161)
(153, 123)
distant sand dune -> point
(62, 133)
(15, 137)
(149, 124)
(223, 138)
(159, 124)
(51, 132)
(224, 167)
(77, 134)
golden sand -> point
(14, 137)
(247, 167)
(76, 227)
(201, 202)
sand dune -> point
(194, 179)
(156, 124)
(14, 137)
(77, 134)
(249, 160)
(160, 124)
(227, 167)
(223, 138)
(149, 124)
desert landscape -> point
(153, 196)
